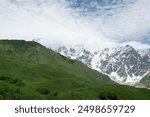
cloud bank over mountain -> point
(94, 23)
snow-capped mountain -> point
(145, 54)
(78, 53)
(123, 65)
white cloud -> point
(133, 21)
(136, 45)
(57, 24)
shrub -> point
(112, 95)
(55, 93)
(3, 89)
(20, 83)
(102, 96)
(2, 77)
(13, 81)
(109, 95)
(16, 81)
(7, 92)
(43, 90)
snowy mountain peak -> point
(77, 52)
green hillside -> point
(146, 81)
(29, 70)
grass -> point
(146, 81)
(29, 70)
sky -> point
(96, 24)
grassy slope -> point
(146, 81)
(28, 70)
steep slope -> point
(28, 70)
(145, 82)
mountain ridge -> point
(123, 64)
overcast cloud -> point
(55, 23)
